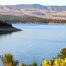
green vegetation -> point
(60, 60)
(62, 53)
(29, 19)
(8, 60)
(33, 64)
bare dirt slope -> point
(54, 12)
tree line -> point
(29, 19)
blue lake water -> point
(34, 43)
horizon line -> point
(32, 4)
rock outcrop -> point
(7, 28)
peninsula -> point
(7, 28)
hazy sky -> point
(42, 2)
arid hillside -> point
(52, 12)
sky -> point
(42, 2)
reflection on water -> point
(35, 42)
(5, 34)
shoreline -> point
(40, 23)
(8, 30)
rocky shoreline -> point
(7, 28)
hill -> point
(34, 10)
(23, 6)
(37, 6)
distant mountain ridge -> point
(37, 10)
(26, 6)
(37, 6)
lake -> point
(34, 43)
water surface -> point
(35, 42)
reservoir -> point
(34, 43)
